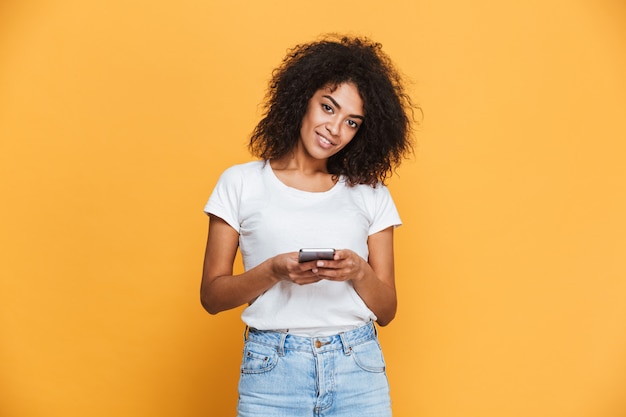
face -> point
(332, 119)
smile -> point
(325, 141)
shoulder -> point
(367, 191)
(246, 168)
(234, 185)
(243, 171)
(375, 200)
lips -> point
(325, 141)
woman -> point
(336, 124)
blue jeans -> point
(335, 376)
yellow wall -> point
(116, 118)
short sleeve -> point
(225, 199)
(385, 212)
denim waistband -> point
(285, 341)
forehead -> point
(332, 87)
(345, 94)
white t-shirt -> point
(273, 218)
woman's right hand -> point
(221, 290)
(287, 268)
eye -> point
(352, 124)
(327, 108)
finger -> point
(305, 266)
(328, 264)
(307, 280)
(330, 274)
(300, 275)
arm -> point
(221, 290)
(373, 280)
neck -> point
(300, 162)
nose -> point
(333, 127)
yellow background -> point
(116, 118)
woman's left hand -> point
(346, 265)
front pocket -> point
(258, 358)
(369, 357)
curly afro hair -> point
(383, 139)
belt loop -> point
(347, 349)
(281, 344)
(245, 334)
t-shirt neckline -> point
(296, 191)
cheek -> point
(308, 121)
(349, 137)
(344, 142)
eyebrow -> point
(356, 116)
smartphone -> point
(314, 254)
